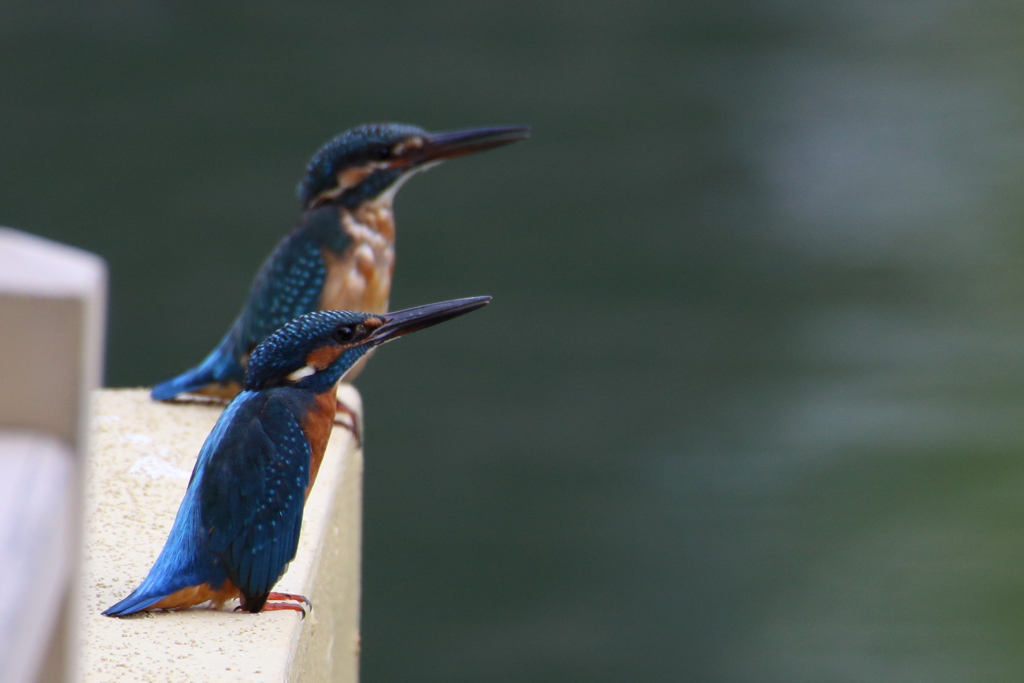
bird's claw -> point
(291, 596)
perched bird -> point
(238, 526)
(341, 253)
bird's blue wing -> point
(291, 280)
(289, 284)
(253, 493)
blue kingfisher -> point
(341, 253)
(238, 525)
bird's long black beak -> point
(457, 143)
(400, 323)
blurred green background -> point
(748, 404)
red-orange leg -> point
(353, 422)
(290, 596)
(275, 606)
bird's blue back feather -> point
(288, 284)
(290, 281)
(254, 489)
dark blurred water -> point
(748, 404)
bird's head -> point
(371, 162)
(315, 350)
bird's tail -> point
(183, 567)
(170, 574)
(141, 598)
(220, 367)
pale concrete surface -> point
(142, 455)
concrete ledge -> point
(142, 455)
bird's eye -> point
(381, 153)
(344, 335)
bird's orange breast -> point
(360, 278)
(317, 425)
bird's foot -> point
(352, 424)
(291, 596)
(282, 603)
(275, 606)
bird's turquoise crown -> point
(287, 349)
(355, 147)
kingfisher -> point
(341, 253)
(238, 525)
